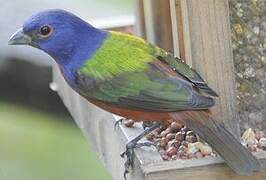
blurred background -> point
(38, 138)
(248, 27)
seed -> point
(262, 143)
(129, 123)
(150, 136)
(192, 149)
(163, 142)
(175, 127)
(259, 135)
(157, 131)
(182, 148)
(205, 150)
(199, 155)
(184, 143)
(191, 139)
(170, 136)
(171, 151)
(165, 157)
(174, 143)
(165, 132)
(180, 136)
(156, 140)
(252, 148)
(174, 157)
(171, 142)
(185, 156)
(190, 133)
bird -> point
(130, 77)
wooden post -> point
(177, 29)
(140, 26)
(198, 32)
(158, 23)
(206, 47)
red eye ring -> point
(46, 30)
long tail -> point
(221, 140)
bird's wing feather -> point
(125, 72)
(187, 72)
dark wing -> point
(187, 72)
(158, 88)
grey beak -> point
(19, 38)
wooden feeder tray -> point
(98, 128)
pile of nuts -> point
(175, 141)
(178, 142)
(254, 140)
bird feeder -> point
(198, 32)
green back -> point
(119, 53)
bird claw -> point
(133, 144)
(129, 158)
(118, 122)
(128, 153)
(145, 144)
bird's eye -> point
(46, 30)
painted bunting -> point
(130, 77)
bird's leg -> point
(119, 121)
(133, 144)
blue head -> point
(64, 36)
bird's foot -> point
(133, 144)
(119, 121)
(129, 154)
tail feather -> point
(222, 141)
